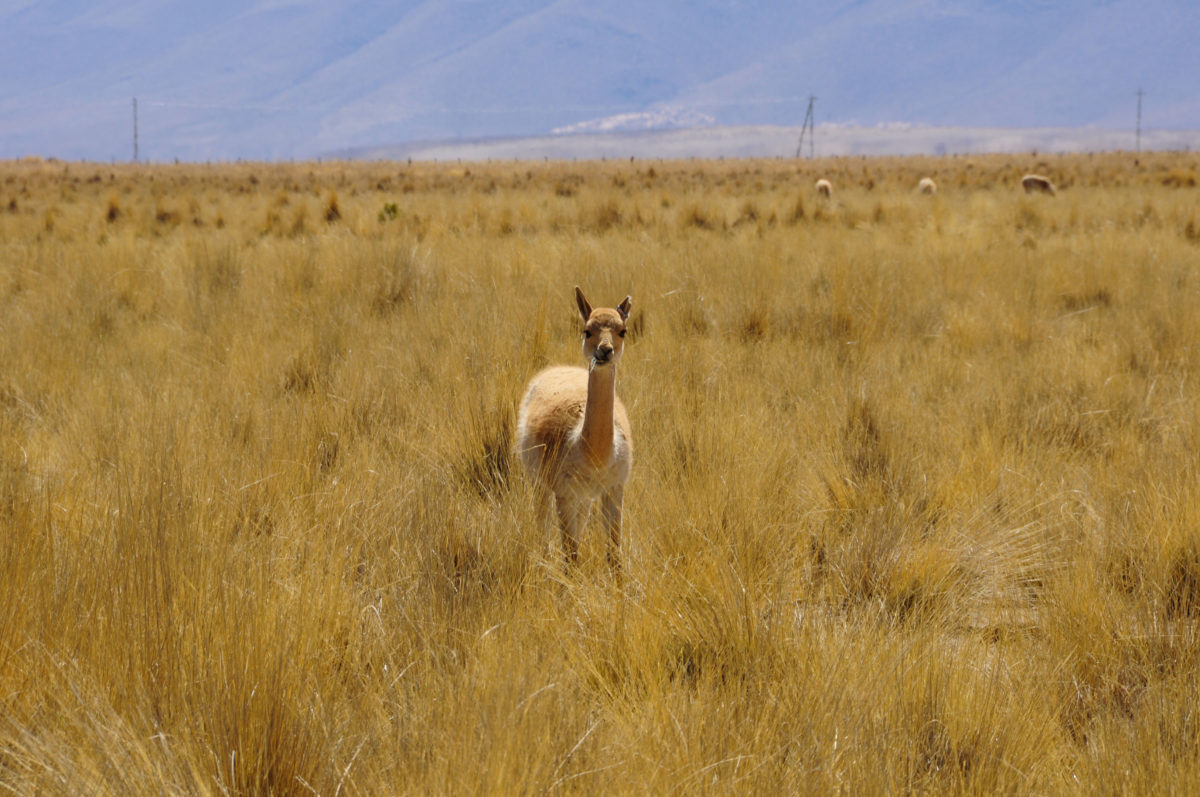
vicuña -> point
(573, 434)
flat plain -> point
(915, 504)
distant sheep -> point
(927, 186)
(825, 188)
(1035, 182)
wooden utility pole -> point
(1139, 122)
(809, 128)
(135, 141)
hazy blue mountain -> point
(297, 78)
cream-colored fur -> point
(927, 186)
(1035, 182)
(825, 188)
(573, 434)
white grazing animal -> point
(1035, 182)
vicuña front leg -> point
(613, 500)
(571, 514)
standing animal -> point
(573, 434)
(1035, 182)
(927, 186)
(825, 188)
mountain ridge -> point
(277, 79)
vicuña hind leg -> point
(613, 500)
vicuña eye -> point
(621, 333)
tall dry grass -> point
(915, 506)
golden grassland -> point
(916, 502)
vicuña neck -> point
(597, 433)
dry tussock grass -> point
(916, 504)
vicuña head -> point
(573, 434)
(603, 331)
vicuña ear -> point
(585, 309)
(624, 307)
